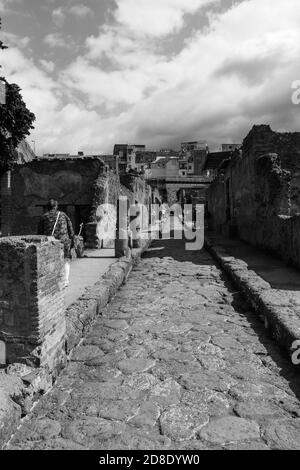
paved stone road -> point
(176, 362)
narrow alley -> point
(177, 361)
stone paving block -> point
(182, 422)
(229, 430)
(129, 366)
(152, 375)
(283, 434)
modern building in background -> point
(192, 158)
(230, 147)
(144, 159)
(126, 155)
(188, 161)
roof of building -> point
(67, 157)
(215, 159)
(164, 159)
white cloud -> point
(11, 39)
(56, 40)
(59, 16)
(47, 65)
(205, 89)
(81, 11)
(235, 73)
(5, 5)
(156, 17)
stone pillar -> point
(32, 310)
(121, 238)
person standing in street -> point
(57, 224)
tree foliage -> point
(15, 121)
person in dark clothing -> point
(57, 224)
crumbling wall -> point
(260, 188)
(101, 228)
(33, 184)
(85, 189)
(189, 189)
(216, 205)
(263, 140)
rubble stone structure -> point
(81, 184)
(25, 196)
(256, 193)
(32, 322)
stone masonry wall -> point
(257, 193)
(262, 140)
(101, 224)
(100, 230)
(32, 322)
(174, 189)
(70, 181)
(82, 186)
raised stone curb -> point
(20, 385)
(95, 298)
(281, 315)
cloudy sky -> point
(99, 72)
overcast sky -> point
(154, 72)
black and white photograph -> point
(149, 229)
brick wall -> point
(32, 322)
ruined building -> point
(256, 192)
(81, 184)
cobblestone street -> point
(177, 361)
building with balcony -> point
(126, 155)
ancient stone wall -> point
(70, 181)
(85, 189)
(32, 322)
(256, 194)
(101, 228)
(216, 205)
(174, 191)
(262, 140)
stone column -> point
(32, 310)
(121, 238)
